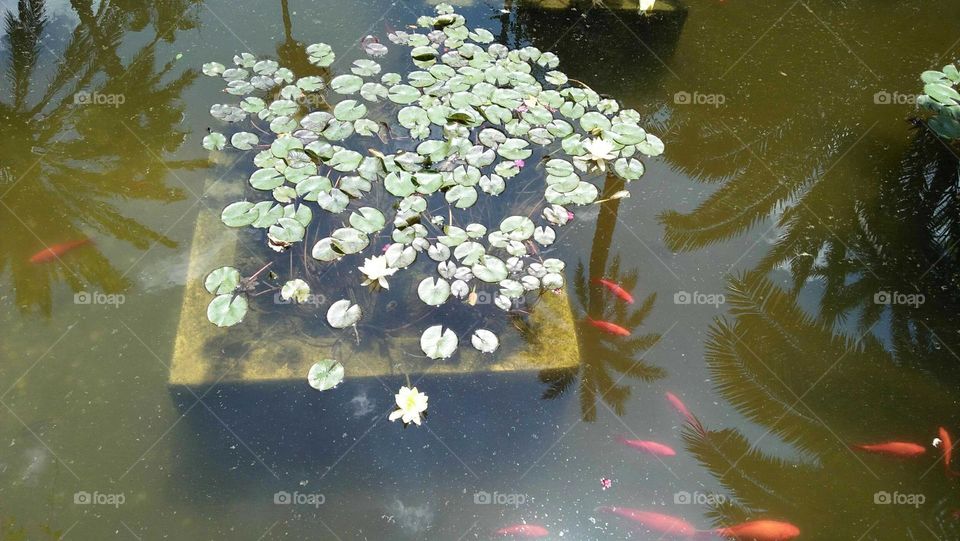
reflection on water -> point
(606, 356)
(822, 393)
(81, 130)
(835, 215)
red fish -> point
(650, 447)
(896, 448)
(947, 444)
(682, 409)
(680, 406)
(760, 530)
(54, 252)
(609, 328)
(654, 522)
(615, 288)
(524, 531)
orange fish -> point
(615, 289)
(680, 406)
(523, 531)
(682, 410)
(896, 448)
(760, 530)
(947, 444)
(654, 522)
(650, 447)
(54, 252)
(609, 328)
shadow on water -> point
(76, 129)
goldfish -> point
(680, 406)
(615, 289)
(896, 448)
(651, 447)
(524, 531)
(760, 530)
(947, 444)
(654, 522)
(54, 252)
(609, 328)
(682, 409)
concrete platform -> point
(257, 350)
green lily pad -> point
(227, 310)
(325, 375)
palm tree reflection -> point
(815, 389)
(602, 353)
(66, 162)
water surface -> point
(794, 186)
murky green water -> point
(794, 199)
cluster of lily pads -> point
(940, 96)
(461, 124)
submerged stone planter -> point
(263, 349)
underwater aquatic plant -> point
(465, 123)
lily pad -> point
(227, 310)
(343, 314)
(433, 292)
(325, 375)
(485, 341)
(222, 280)
(438, 343)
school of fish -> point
(665, 526)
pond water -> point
(792, 253)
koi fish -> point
(760, 530)
(615, 289)
(947, 442)
(654, 522)
(524, 531)
(682, 410)
(609, 328)
(680, 406)
(54, 252)
(651, 447)
(895, 448)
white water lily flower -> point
(598, 152)
(410, 403)
(376, 270)
(646, 5)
